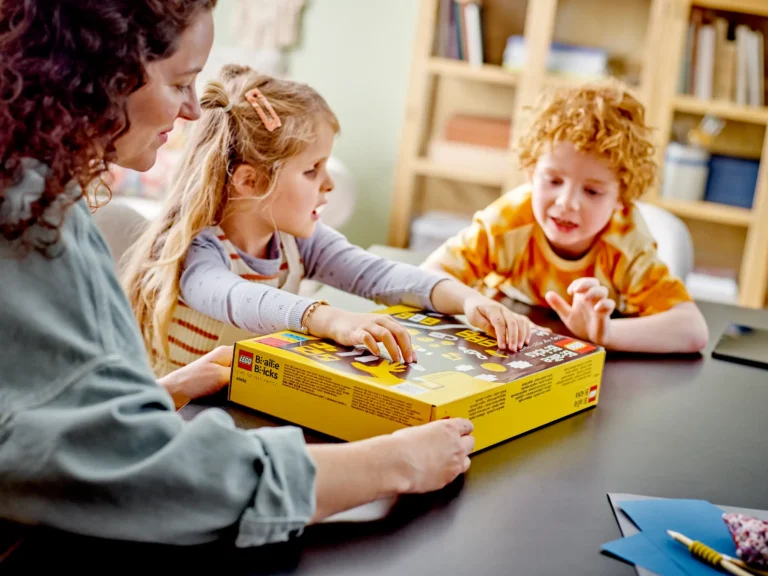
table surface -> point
(677, 427)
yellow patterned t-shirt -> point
(505, 254)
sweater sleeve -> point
(210, 287)
(91, 444)
(330, 258)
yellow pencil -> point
(712, 557)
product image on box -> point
(352, 394)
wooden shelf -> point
(487, 73)
(758, 7)
(650, 37)
(708, 212)
(722, 109)
(426, 167)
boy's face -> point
(574, 196)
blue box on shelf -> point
(732, 181)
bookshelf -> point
(724, 235)
(440, 86)
(488, 73)
(646, 39)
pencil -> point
(708, 555)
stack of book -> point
(460, 31)
(723, 61)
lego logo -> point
(575, 346)
(245, 360)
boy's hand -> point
(511, 330)
(589, 315)
(352, 329)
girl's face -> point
(168, 94)
(295, 204)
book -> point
(351, 394)
(705, 62)
(724, 62)
(742, 67)
(474, 33)
(491, 131)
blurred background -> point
(431, 95)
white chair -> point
(675, 245)
(122, 221)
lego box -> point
(351, 394)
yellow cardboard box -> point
(351, 394)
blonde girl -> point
(240, 229)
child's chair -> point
(675, 245)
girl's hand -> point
(203, 377)
(352, 329)
(589, 315)
(511, 330)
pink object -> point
(751, 538)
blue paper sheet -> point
(640, 551)
(697, 519)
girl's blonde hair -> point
(603, 118)
(229, 133)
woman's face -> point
(168, 94)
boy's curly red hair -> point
(602, 118)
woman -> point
(89, 442)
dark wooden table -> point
(679, 427)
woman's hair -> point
(229, 133)
(66, 70)
(601, 118)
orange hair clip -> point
(255, 97)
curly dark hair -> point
(66, 70)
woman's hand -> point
(412, 460)
(203, 377)
(352, 329)
(434, 454)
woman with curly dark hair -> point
(89, 442)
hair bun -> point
(215, 96)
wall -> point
(357, 53)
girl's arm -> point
(331, 259)
(210, 287)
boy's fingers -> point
(605, 307)
(558, 304)
(582, 285)
(596, 294)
